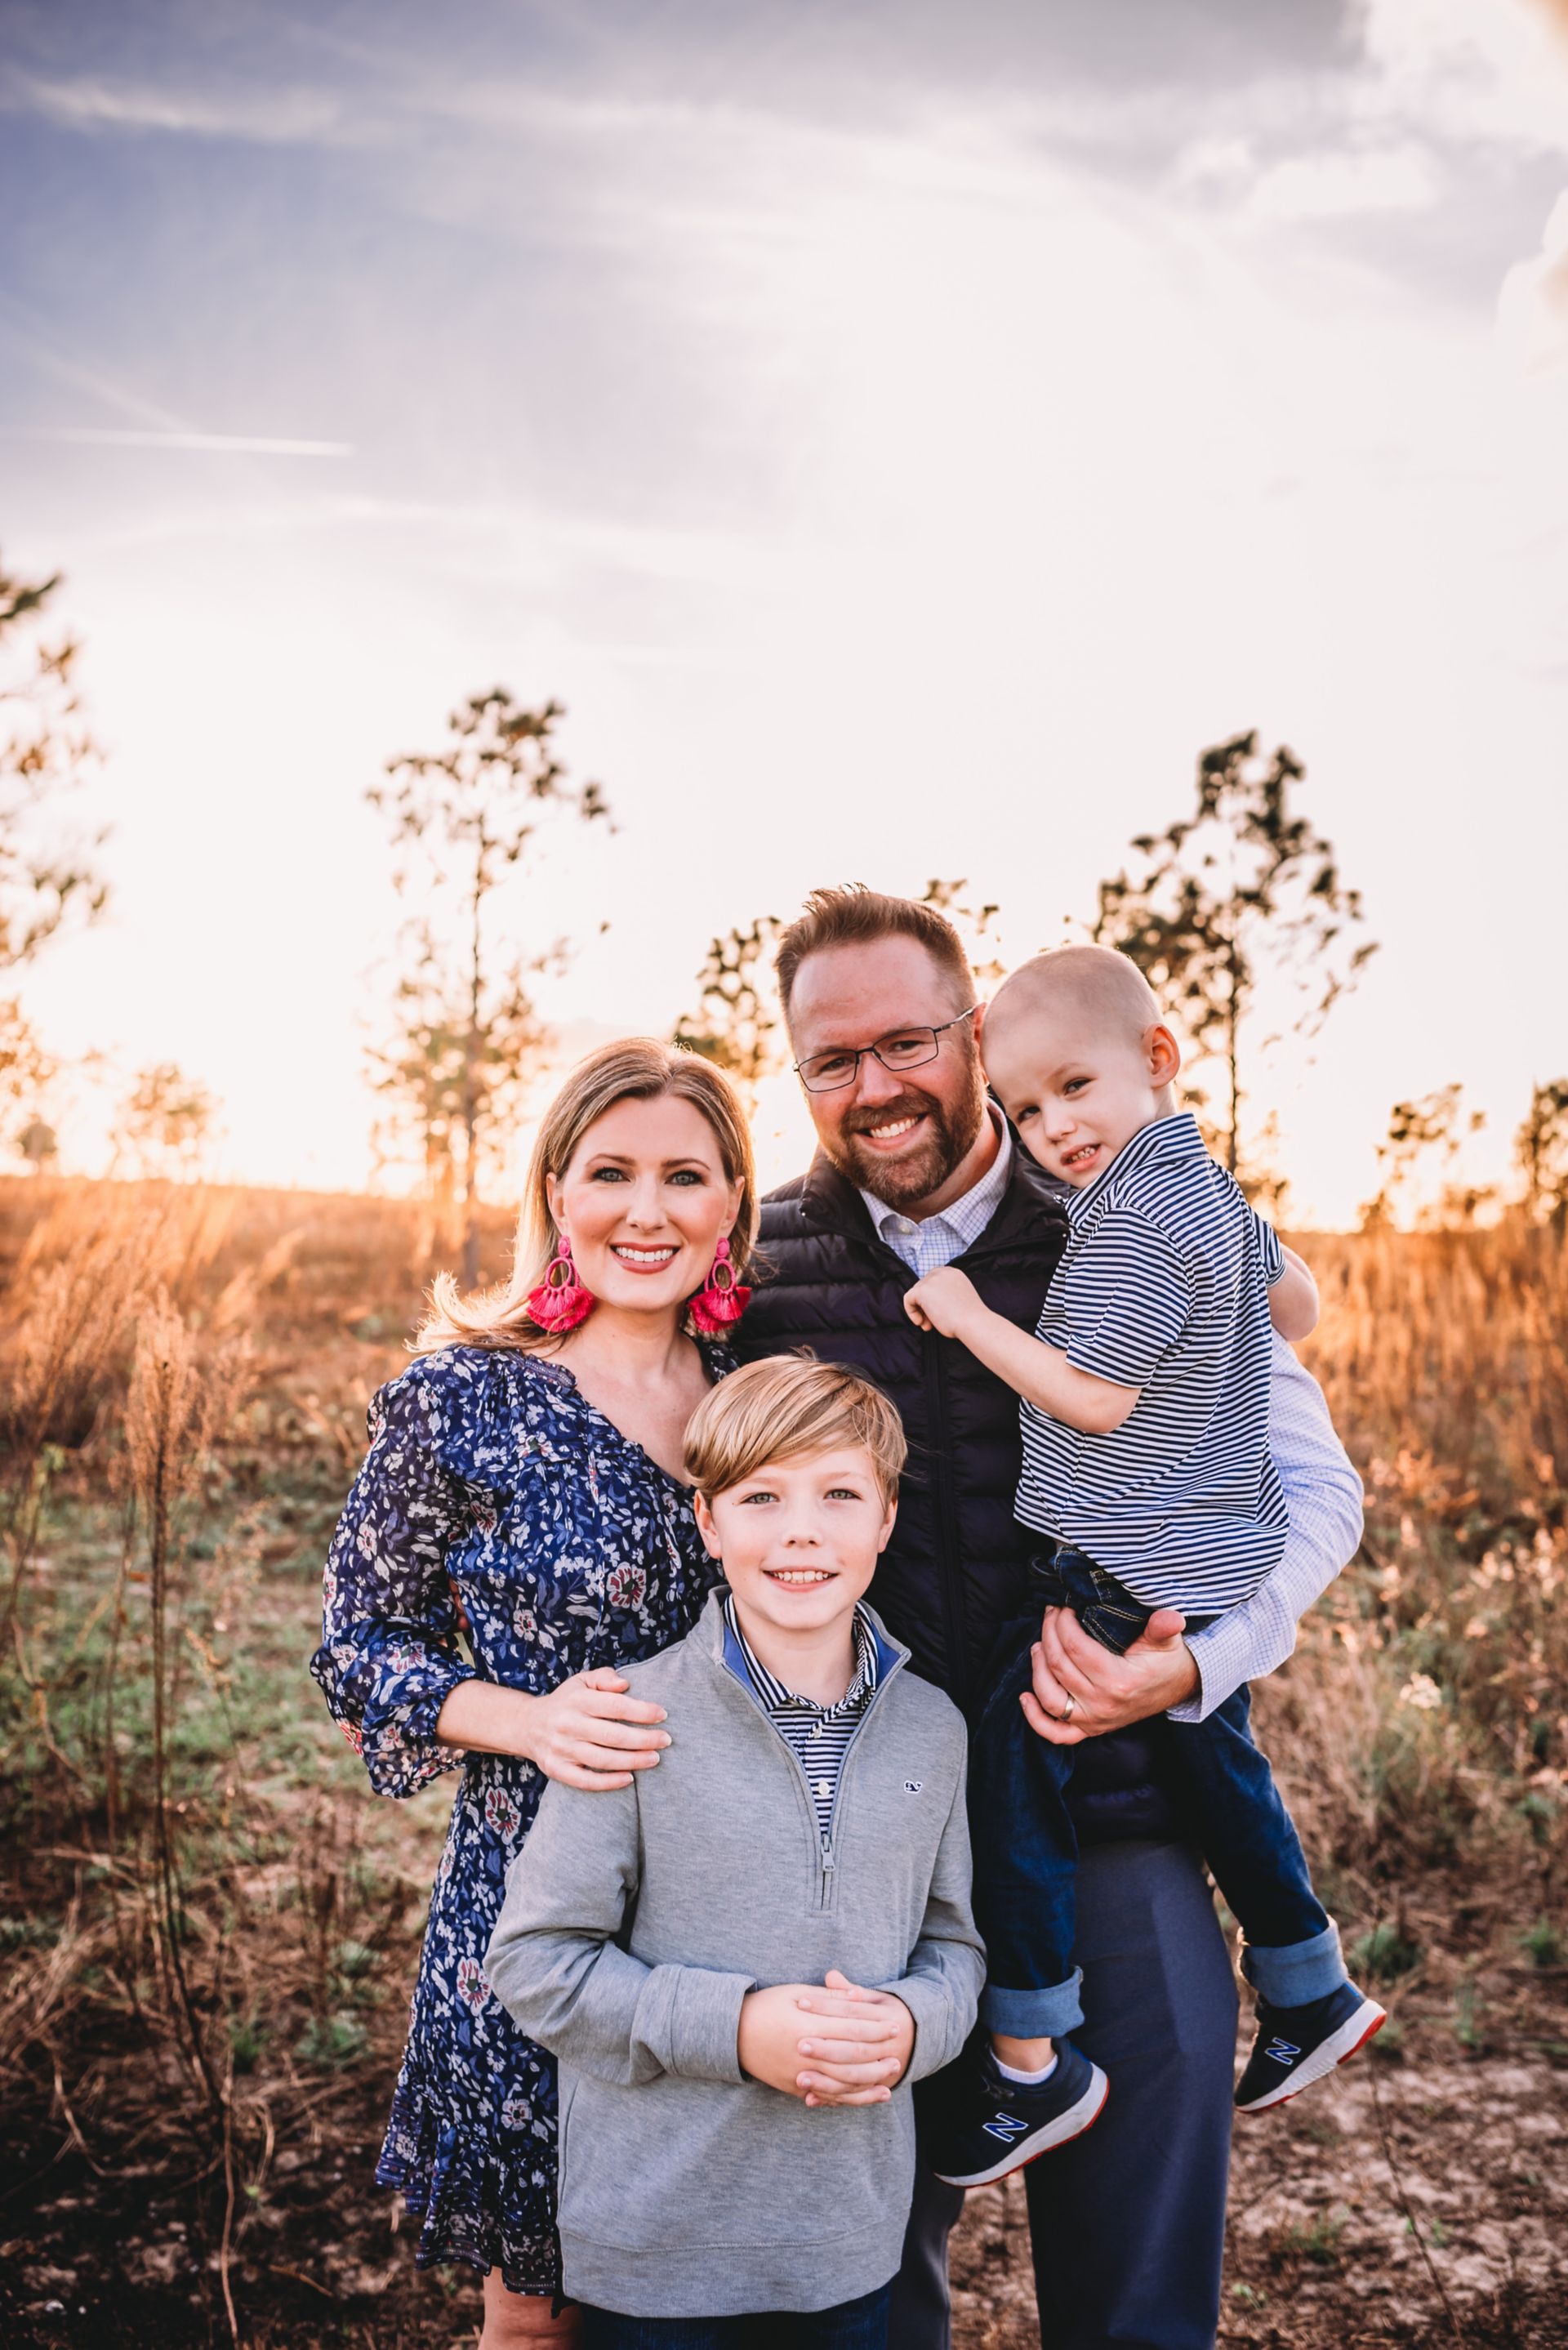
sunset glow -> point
(900, 453)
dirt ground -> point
(1422, 2199)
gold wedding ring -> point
(1067, 1710)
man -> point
(916, 1168)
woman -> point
(524, 1482)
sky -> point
(901, 435)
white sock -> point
(1026, 2080)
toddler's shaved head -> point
(1102, 992)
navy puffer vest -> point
(953, 1572)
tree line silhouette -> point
(1237, 911)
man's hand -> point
(858, 2043)
(942, 1301)
(1107, 1691)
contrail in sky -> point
(232, 443)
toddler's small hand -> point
(942, 1300)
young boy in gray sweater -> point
(743, 1960)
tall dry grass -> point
(203, 1936)
(194, 1937)
(1423, 1725)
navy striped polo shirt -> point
(1163, 1287)
(819, 1736)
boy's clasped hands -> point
(855, 2055)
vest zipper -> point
(951, 1565)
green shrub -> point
(1541, 1944)
(1383, 1952)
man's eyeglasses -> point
(906, 1048)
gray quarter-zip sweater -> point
(635, 1923)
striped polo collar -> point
(1172, 1141)
(777, 1699)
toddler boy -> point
(1146, 1476)
(736, 2134)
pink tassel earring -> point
(720, 1302)
(560, 1301)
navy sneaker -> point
(986, 2126)
(1297, 2045)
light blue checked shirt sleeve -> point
(1324, 1496)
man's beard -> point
(904, 1181)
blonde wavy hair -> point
(635, 1068)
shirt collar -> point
(970, 1213)
(778, 1698)
(1172, 1139)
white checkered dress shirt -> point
(929, 1241)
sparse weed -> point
(1469, 2030)
(1542, 1944)
(332, 2042)
(1316, 2238)
(1385, 1953)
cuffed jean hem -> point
(1293, 1976)
(1034, 2014)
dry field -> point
(209, 1926)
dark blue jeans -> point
(852, 2326)
(1026, 1848)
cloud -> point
(1335, 186)
(1327, 184)
(232, 443)
(1532, 307)
(92, 103)
(1485, 71)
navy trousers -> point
(1026, 1849)
(1128, 2223)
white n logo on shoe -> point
(1283, 2052)
(1006, 2126)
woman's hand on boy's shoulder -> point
(828, 2043)
(590, 1732)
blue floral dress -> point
(497, 1503)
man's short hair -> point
(855, 916)
(790, 1408)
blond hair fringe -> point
(786, 1407)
